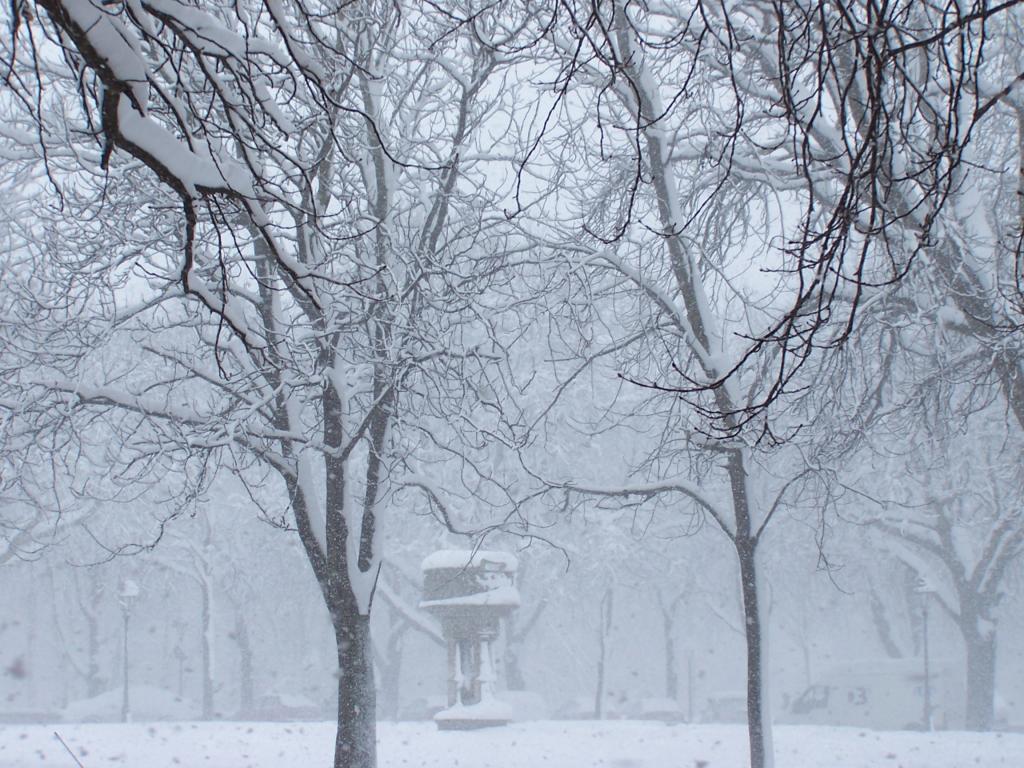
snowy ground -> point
(526, 745)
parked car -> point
(725, 707)
(883, 693)
(616, 707)
(662, 710)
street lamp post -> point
(126, 597)
(925, 590)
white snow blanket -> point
(620, 744)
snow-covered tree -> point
(753, 174)
(295, 238)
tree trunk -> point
(671, 676)
(604, 626)
(981, 679)
(126, 706)
(348, 602)
(883, 626)
(27, 661)
(745, 539)
(207, 647)
(94, 682)
(514, 679)
(246, 696)
(356, 743)
(758, 724)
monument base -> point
(467, 725)
(463, 717)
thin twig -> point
(73, 757)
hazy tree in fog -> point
(533, 579)
(86, 587)
(193, 559)
(956, 522)
(938, 475)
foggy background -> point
(225, 586)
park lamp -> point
(129, 594)
(925, 589)
(924, 586)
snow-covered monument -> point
(470, 592)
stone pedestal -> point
(470, 592)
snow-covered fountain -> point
(470, 592)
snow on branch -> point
(649, 490)
(210, 127)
